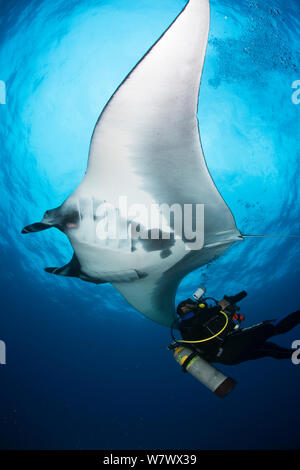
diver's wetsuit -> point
(245, 344)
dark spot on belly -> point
(153, 244)
(165, 253)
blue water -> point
(84, 370)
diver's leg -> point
(254, 354)
(273, 350)
(286, 324)
(268, 349)
(245, 345)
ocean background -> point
(84, 370)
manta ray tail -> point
(271, 236)
(73, 269)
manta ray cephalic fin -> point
(73, 269)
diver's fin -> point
(38, 227)
(73, 269)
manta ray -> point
(146, 150)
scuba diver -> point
(211, 333)
(215, 333)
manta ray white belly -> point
(146, 149)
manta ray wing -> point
(147, 139)
(154, 295)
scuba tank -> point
(190, 359)
(203, 371)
